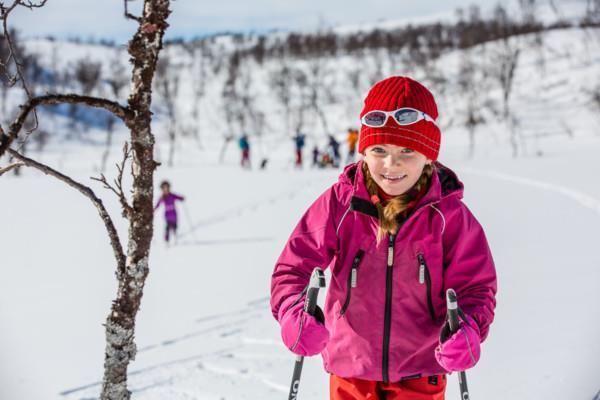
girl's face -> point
(165, 189)
(395, 169)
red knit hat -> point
(391, 94)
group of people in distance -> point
(330, 156)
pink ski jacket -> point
(385, 303)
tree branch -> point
(9, 167)
(128, 15)
(4, 13)
(118, 110)
(118, 188)
(89, 193)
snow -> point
(205, 330)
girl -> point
(396, 235)
(168, 199)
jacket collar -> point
(444, 183)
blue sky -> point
(104, 18)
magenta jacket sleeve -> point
(469, 268)
(312, 244)
(160, 200)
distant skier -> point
(334, 150)
(299, 141)
(352, 139)
(263, 163)
(315, 157)
(245, 148)
(395, 234)
(168, 199)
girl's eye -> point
(407, 151)
(378, 150)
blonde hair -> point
(388, 213)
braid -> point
(388, 221)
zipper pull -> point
(354, 270)
(390, 260)
(421, 269)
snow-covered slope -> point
(205, 329)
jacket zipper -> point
(388, 299)
(352, 279)
(424, 277)
(388, 308)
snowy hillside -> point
(205, 330)
(559, 75)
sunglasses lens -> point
(374, 118)
(405, 117)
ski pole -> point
(317, 281)
(190, 221)
(452, 304)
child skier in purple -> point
(395, 234)
(168, 199)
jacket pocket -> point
(352, 279)
(425, 278)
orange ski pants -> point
(426, 388)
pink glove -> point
(300, 331)
(460, 351)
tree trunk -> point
(120, 323)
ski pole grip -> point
(317, 281)
(452, 305)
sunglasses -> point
(402, 116)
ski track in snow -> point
(224, 329)
(141, 371)
(236, 212)
(583, 199)
(229, 326)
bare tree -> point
(254, 117)
(473, 86)
(318, 86)
(116, 82)
(503, 67)
(592, 13)
(132, 266)
(231, 104)
(201, 56)
(167, 86)
(10, 50)
(280, 81)
(302, 97)
(87, 73)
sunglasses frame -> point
(420, 116)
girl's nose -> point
(393, 160)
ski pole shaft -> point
(189, 220)
(452, 304)
(317, 281)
